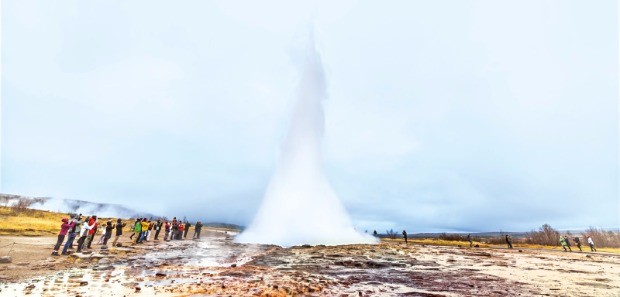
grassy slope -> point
(30, 222)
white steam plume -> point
(300, 206)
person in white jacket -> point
(83, 234)
(591, 243)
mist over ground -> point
(442, 116)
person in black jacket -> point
(187, 225)
(405, 236)
(108, 232)
(197, 230)
(578, 242)
(157, 228)
(119, 230)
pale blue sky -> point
(443, 115)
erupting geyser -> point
(300, 206)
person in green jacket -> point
(563, 243)
(137, 230)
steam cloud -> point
(300, 206)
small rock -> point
(159, 274)
(138, 289)
(233, 265)
(30, 287)
(5, 259)
(104, 247)
(83, 283)
(103, 267)
(104, 261)
(520, 251)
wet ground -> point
(215, 266)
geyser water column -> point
(300, 206)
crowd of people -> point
(86, 230)
(564, 242)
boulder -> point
(5, 260)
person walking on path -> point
(119, 231)
(73, 232)
(471, 243)
(567, 243)
(186, 229)
(563, 243)
(197, 230)
(578, 242)
(109, 228)
(64, 228)
(157, 229)
(509, 241)
(83, 234)
(137, 230)
(591, 243)
(405, 236)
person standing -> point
(591, 243)
(83, 234)
(73, 232)
(578, 242)
(157, 228)
(109, 228)
(186, 229)
(175, 229)
(567, 243)
(405, 236)
(471, 243)
(148, 232)
(563, 243)
(197, 230)
(137, 230)
(91, 232)
(167, 231)
(119, 231)
(509, 241)
(134, 224)
(64, 228)
(181, 229)
(145, 228)
(103, 233)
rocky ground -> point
(217, 266)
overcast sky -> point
(442, 116)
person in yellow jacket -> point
(145, 228)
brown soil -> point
(217, 266)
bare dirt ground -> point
(215, 266)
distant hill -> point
(75, 206)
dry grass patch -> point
(30, 222)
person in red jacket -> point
(92, 224)
(167, 230)
(181, 229)
(64, 228)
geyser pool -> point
(300, 206)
